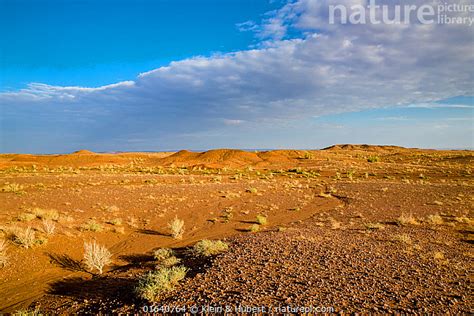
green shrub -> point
(156, 283)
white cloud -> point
(330, 69)
(440, 105)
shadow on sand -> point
(115, 288)
(67, 263)
(151, 232)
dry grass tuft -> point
(407, 219)
(439, 256)
(374, 226)
(92, 226)
(208, 248)
(115, 221)
(435, 219)
(28, 312)
(24, 237)
(50, 214)
(49, 226)
(26, 217)
(176, 227)
(3, 253)
(96, 256)
(404, 238)
(12, 188)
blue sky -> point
(95, 43)
(163, 75)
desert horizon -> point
(85, 150)
(247, 157)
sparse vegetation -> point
(96, 256)
(407, 219)
(28, 312)
(176, 227)
(3, 253)
(403, 238)
(342, 222)
(325, 195)
(435, 219)
(26, 217)
(374, 226)
(119, 230)
(262, 220)
(48, 214)
(208, 248)
(49, 226)
(254, 228)
(92, 226)
(373, 159)
(438, 255)
(308, 155)
(12, 188)
(251, 190)
(156, 283)
(163, 253)
(24, 237)
(335, 224)
(169, 262)
(165, 257)
(115, 221)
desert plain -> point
(349, 228)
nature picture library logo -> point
(396, 12)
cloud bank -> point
(328, 69)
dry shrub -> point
(96, 256)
